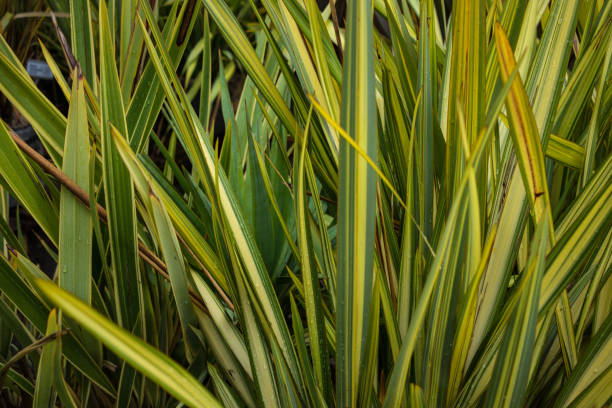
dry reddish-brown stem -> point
(145, 253)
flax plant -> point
(410, 205)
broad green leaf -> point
(427, 85)
(356, 203)
(466, 89)
(272, 196)
(75, 220)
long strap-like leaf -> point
(356, 202)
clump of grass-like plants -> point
(298, 203)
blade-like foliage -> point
(306, 203)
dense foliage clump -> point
(306, 203)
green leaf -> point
(356, 203)
(204, 160)
(226, 342)
(226, 395)
(567, 337)
(447, 244)
(463, 333)
(312, 295)
(596, 121)
(118, 188)
(75, 220)
(187, 229)
(524, 135)
(82, 39)
(588, 385)
(21, 91)
(466, 86)
(32, 307)
(130, 47)
(514, 359)
(146, 359)
(148, 97)
(239, 43)
(44, 394)
(427, 86)
(543, 87)
(399, 375)
(25, 186)
(566, 152)
(178, 275)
